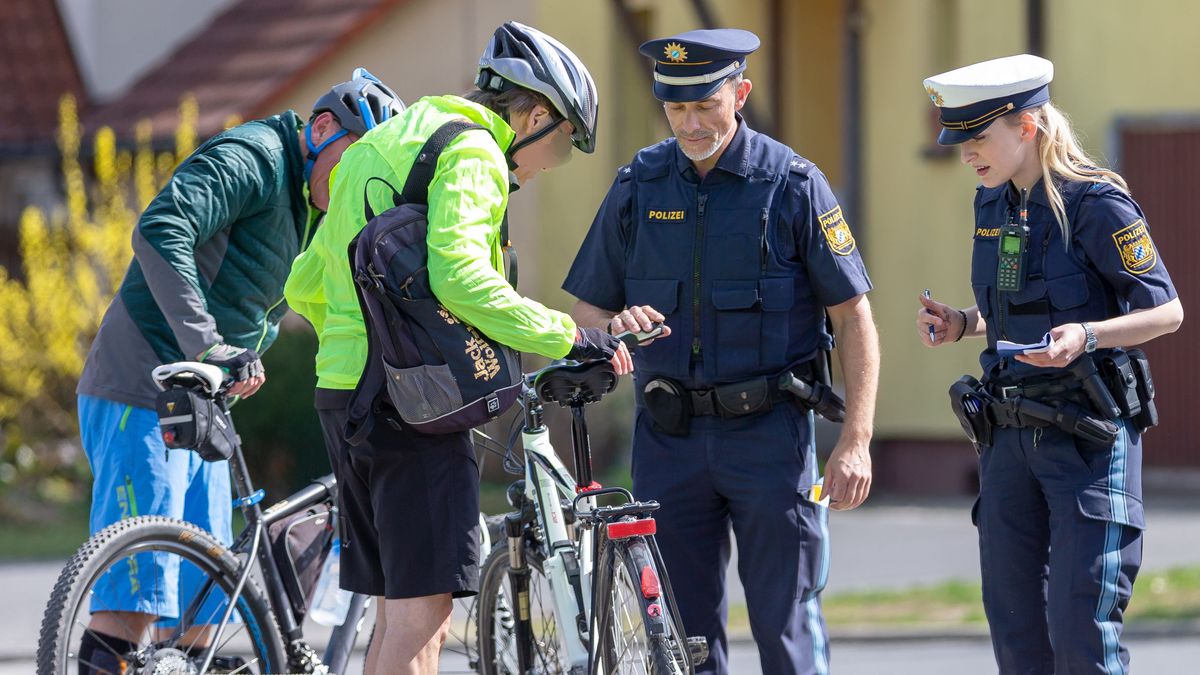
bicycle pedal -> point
(698, 648)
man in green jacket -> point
(410, 501)
(211, 254)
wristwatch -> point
(1089, 335)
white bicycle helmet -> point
(526, 57)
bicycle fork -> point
(518, 574)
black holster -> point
(970, 404)
(1148, 417)
(816, 396)
(669, 405)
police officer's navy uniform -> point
(1060, 519)
(742, 264)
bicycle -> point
(575, 569)
(260, 630)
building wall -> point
(918, 208)
(117, 41)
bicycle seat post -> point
(581, 447)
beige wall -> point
(918, 210)
(1116, 58)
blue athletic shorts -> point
(134, 475)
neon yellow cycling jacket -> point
(467, 200)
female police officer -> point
(1059, 513)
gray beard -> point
(705, 154)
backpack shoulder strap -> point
(416, 187)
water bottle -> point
(330, 602)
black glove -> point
(593, 343)
(240, 364)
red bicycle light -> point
(168, 437)
(650, 586)
(631, 528)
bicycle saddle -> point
(189, 373)
(572, 383)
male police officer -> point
(740, 245)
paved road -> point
(886, 545)
(1161, 657)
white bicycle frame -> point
(547, 483)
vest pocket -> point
(752, 325)
(739, 328)
(663, 295)
(1068, 292)
(778, 297)
(1028, 315)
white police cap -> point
(972, 97)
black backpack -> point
(436, 373)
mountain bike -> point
(576, 587)
(242, 607)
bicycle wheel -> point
(638, 631)
(463, 637)
(497, 636)
(107, 567)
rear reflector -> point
(650, 589)
(631, 528)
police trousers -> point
(752, 474)
(1060, 541)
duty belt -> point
(742, 398)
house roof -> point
(36, 69)
(247, 56)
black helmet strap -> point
(530, 139)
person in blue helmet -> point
(1063, 260)
(211, 254)
(740, 246)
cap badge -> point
(675, 52)
(934, 96)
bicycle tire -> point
(143, 534)
(494, 612)
(625, 611)
(463, 638)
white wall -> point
(117, 41)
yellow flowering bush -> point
(72, 262)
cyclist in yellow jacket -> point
(410, 501)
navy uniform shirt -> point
(1110, 269)
(742, 263)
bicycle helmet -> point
(359, 105)
(521, 56)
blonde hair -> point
(1061, 158)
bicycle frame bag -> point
(191, 420)
(436, 372)
(301, 543)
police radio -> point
(1014, 238)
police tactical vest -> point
(1061, 286)
(707, 256)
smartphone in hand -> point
(635, 338)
